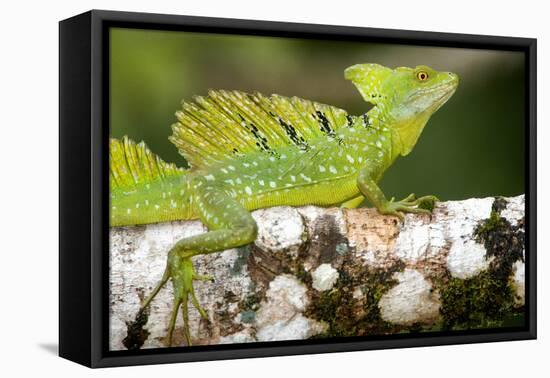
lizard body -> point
(248, 151)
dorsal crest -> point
(132, 164)
(226, 124)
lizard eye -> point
(422, 75)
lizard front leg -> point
(230, 225)
(370, 189)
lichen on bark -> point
(316, 272)
(488, 299)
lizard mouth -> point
(434, 97)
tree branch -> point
(316, 272)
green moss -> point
(250, 305)
(327, 308)
(251, 302)
(486, 300)
(137, 335)
(482, 301)
(499, 204)
(514, 319)
(303, 275)
(346, 315)
(493, 223)
(241, 260)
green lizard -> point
(249, 151)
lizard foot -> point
(410, 204)
(181, 271)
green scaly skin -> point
(273, 151)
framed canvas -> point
(235, 188)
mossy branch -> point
(315, 272)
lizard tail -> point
(144, 188)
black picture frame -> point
(83, 197)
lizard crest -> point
(226, 124)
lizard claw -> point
(410, 204)
(181, 271)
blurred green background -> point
(473, 147)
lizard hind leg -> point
(353, 203)
(230, 225)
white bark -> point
(272, 289)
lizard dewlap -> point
(249, 151)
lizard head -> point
(404, 97)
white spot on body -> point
(307, 178)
